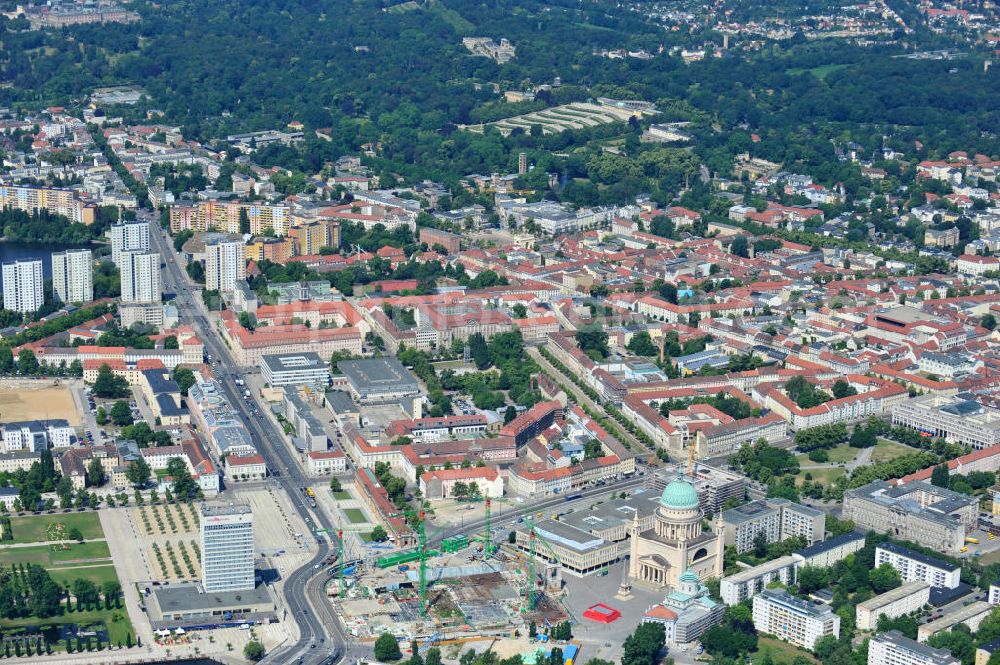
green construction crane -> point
(531, 564)
(341, 559)
(423, 565)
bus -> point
(310, 493)
(974, 541)
(573, 497)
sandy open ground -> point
(30, 403)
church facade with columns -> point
(676, 543)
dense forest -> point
(398, 75)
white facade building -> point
(128, 237)
(227, 547)
(23, 286)
(894, 648)
(224, 264)
(897, 602)
(915, 567)
(141, 278)
(792, 619)
(73, 275)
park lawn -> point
(35, 528)
(341, 496)
(365, 537)
(824, 476)
(117, 629)
(97, 574)
(841, 454)
(45, 555)
(889, 450)
(782, 653)
(355, 515)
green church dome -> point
(679, 494)
(690, 576)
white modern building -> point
(141, 278)
(894, 648)
(73, 275)
(128, 237)
(916, 567)
(227, 552)
(224, 262)
(894, 603)
(799, 622)
(295, 369)
(776, 519)
(23, 286)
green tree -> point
(253, 651)
(95, 473)
(884, 578)
(378, 534)
(184, 378)
(121, 413)
(109, 386)
(138, 472)
(643, 646)
(335, 485)
(27, 364)
(185, 487)
(387, 648)
(940, 476)
(988, 321)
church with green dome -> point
(675, 546)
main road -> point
(321, 638)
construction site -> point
(461, 589)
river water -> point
(23, 251)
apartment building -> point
(777, 519)
(897, 602)
(226, 216)
(930, 516)
(452, 242)
(224, 265)
(73, 276)
(128, 237)
(55, 201)
(36, 435)
(746, 584)
(140, 277)
(23, 286)
(970, 615)
(916, 567)
(828, 552)
(715, 486)
(325, 462)
(310, 237)
(894, 648)
(799, 622)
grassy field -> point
(820, 72)
(36, 528)
(355, 515)
(782, 653)
(341, 496)
(47, 556)
(889, 450)
(838, 455)
(824, 476)
(98, 574)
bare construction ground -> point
(37, 400)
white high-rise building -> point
(224, 261)
(128, 237)
(894, 648)
(227, 547)
(141, 279)
(23, 286)
(73, 275)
